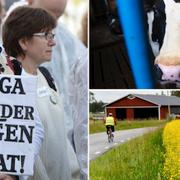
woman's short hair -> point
(22, 23)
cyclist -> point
(110, 123)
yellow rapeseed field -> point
(171, 141)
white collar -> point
(24, 73)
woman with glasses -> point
(28, 36)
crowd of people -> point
(31, 37)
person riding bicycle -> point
(110, 123)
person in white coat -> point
(69, 69)
(28, 36)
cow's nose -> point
(167, 73)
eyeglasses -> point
(46, 35)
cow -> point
(164, 36)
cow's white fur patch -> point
(154, 45)
(171, 44)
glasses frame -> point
(47, 35)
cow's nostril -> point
(158, 72)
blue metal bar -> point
(132, 21)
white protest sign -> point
(17, 123)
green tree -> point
(175, 93)
(97, 106)
(91, 97)
(94, 105)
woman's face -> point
(39, 47)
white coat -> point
(57, 160)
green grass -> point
(138, 159)
(98, 125)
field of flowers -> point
(171, 141)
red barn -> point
(138, 106)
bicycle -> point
(110, 135)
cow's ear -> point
(169, 5)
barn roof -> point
(156, 99)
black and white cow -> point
(164, 36)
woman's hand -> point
(7, 177)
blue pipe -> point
(132, 21)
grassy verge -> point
(138, 159)
(98, 125)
